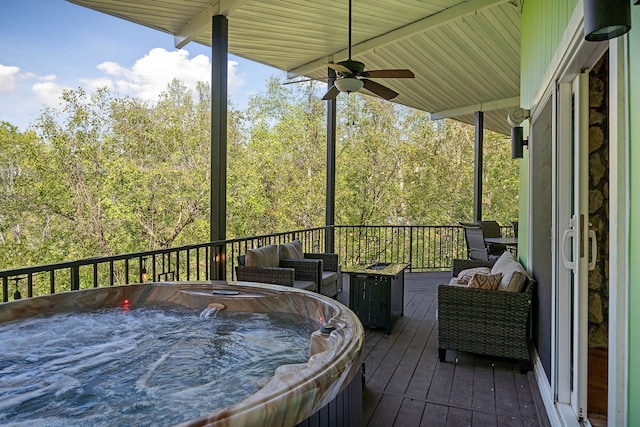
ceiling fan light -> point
(349, 84)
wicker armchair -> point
(331, 282)
(329, 279)
(493, 323)
(299, 273)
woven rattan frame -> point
(494, 323)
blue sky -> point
(49, 45)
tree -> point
(111, 175)
(277, 172)
(18, 237)
(106, 174)
(368, 164)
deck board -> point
(407, 385)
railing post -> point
(218, 263)
(5, 289)
(75, 278)
(411, 247)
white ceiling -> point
(465, 54)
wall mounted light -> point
(517, 142)
(606, 19)
(515, 119)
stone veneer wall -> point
(599, 201)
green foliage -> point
(276, 172)
(17, 151)
(107, 174)
(111, 175)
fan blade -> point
(340, 68)
(393, 74)
(331, 94)
(307, 80)
(378, 89)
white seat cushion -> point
(266, 256)
(508, 266)
(292, 250)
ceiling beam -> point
(202, 22)
(499, 104)
(428, 23)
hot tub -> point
(326, 390)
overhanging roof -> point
(465, 54)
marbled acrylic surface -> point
(295, 391)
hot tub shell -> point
(298, 394)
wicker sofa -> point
(483, 321)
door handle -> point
(594, 249)
(568, 234)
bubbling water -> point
(147, 366)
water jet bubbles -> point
(211, 310)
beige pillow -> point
(485, 281)
(507, 265)
(292, 250)
(516, 284)
(266, 256)
(465, 275)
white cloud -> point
(46, 89)
(48, 92)
(150, 75)
(234, 80)
(8, 77)
(146, 78)
(95, 84)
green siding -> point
(543, 24)
(634, 223)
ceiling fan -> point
(351, 76)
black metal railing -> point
(183, 263)
(423, 247)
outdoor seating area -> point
(407, 384)
(108, 189)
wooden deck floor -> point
(406, 385)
